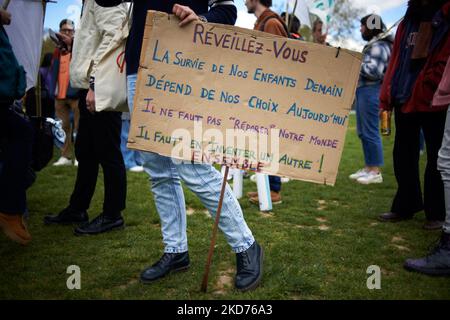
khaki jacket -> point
(98, 25)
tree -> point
(344, 19)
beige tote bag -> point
(111, 95)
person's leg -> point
(275, 183)
(206, 182)
(16, 136)
(359, 103)
(104, 135)
(106, 138)
(203, 180)
(88, 167)
(73, 103)
(63, 113)
(167, 191)
(87, 172)
(16, 144)
(444, 168)
(437, 262)
(129, 156)
(433, 124)
(408, 199)
(169, 200)
(370, 134)
(372, 139)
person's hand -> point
(90, 101)
(185, 14)
(5, 17)
(67, 40)
(323, 38)
(380, 113)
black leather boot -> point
(169, 262)
(67, 216)
(249, 268)
(436, 263)
(393, 217)
(103, 223)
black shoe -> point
(67, 216)
(169, 262)
(101, 224)
(433, 225)
(436, 263)
(393, 217)
(249, 265)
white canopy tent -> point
(25, 34)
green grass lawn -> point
(318, 244)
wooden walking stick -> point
(204, 287)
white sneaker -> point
(371, 177)
(358, 174)
(75, 163)
(63, 161)
(137, 169)
(285, 180)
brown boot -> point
(13, 227)
(252, 194)
(275, 196)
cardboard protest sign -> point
(205, 86)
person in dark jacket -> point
(16, 136)
(437, 262)
(203, 179)
(421, 50)
(294, 25)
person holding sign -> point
(203, 179)
(270, 22)
(16, 136)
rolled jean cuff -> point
(175, 250)
(244, 248)
(375, 164)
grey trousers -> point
(444, 168)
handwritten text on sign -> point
(205, 86)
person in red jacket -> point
(437, 262)
(420, 53)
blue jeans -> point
(368, 124)
(130, 157)
(202, 179)
(444, 168)
(275, 183)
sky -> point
(390, 11)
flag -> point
(322, 8)
(301, 11)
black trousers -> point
(408, 199)
(98, 144)
(16, 142)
